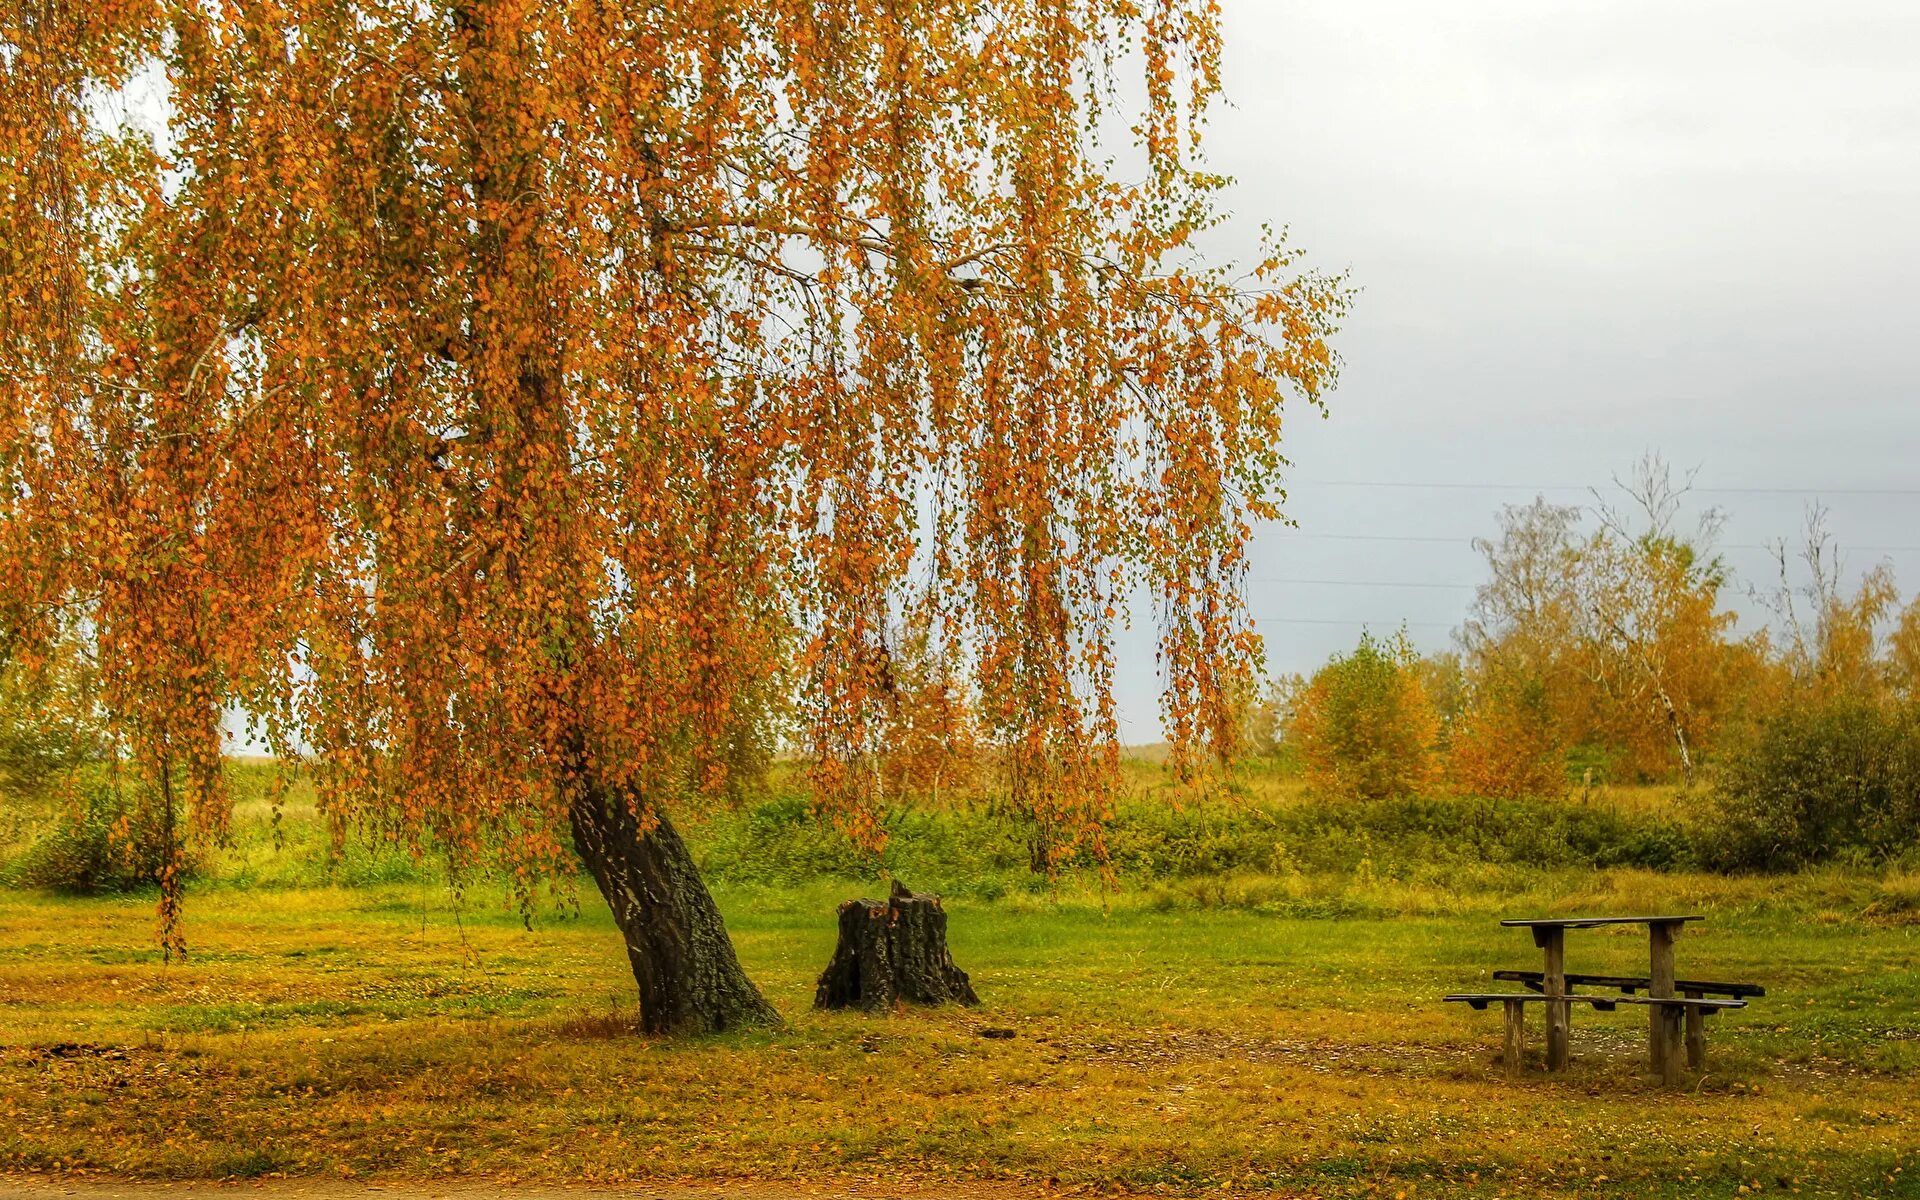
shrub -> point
(100, 841)
(970, 852)
(1457, 830)
(1364, 725)
(1819, 779)
(782, 842)
(1898, 900)
(50, 723)
(1504, 742)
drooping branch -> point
(500, 396)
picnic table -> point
(1667, 1013)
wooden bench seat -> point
(1672, 1004)
(1681, 1003)
(1515, 1004)
(1674, 1013)
(1671, 1010)
(1637, 983)
(1478, 1001)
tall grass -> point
(1260, 842)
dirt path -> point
(64, 1187)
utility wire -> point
(1467, 541)
(1380, 537)
(1354, 621)
(1575, 487)
(1404, 583)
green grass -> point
(1231, 1019)
(371, 1033)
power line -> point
(1350, 621)
(1403, 583)
(1576, 487)
(1379, 537)
(1840, 546)
(1467, 541)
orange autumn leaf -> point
(492, 398)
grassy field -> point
(1196, 1034)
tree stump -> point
(890, 951)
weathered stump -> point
(890, 951)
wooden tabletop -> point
(1593, 922)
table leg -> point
(1553, 985)
(1516, 1036)
(1660, 937)
(1696, 1036)
(1670, 1045)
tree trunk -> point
(890, 951)
(689, 979)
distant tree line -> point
(1601, 649)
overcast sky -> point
(1581, 231)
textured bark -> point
(892, 951)
(689, 979)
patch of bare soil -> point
(68, 1187)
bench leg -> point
(1696, 1036)
(1516, 1050)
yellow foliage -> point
(1364, 725)
(1903, 651)
(1505, 741)
(491, 397)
